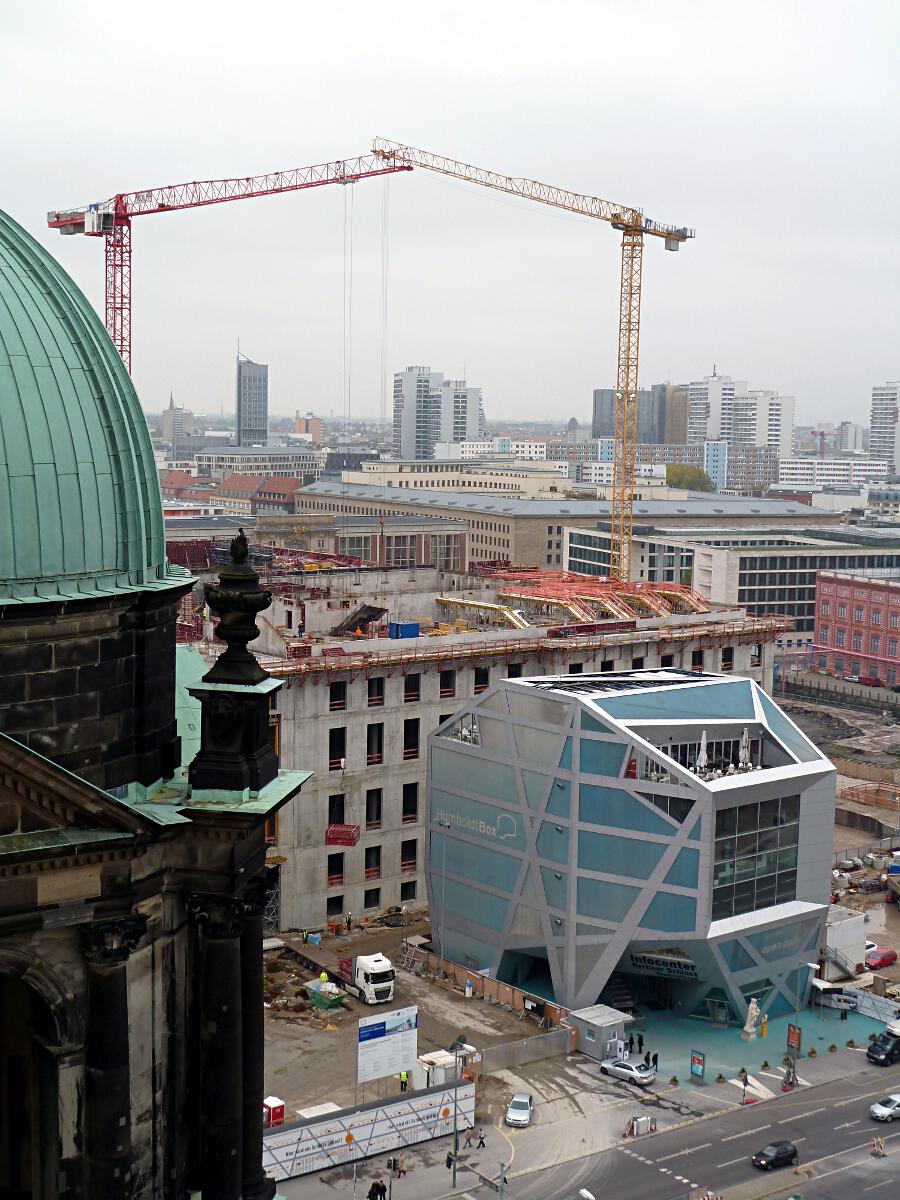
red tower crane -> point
(111, 219)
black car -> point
(775, 1154)
(885, 1050)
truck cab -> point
(373, 975)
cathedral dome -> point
(80, 510)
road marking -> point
(731, 1163)
(883, 1183)
(689, 1150)
(812, 1112)
(746, 1133)
(665, 1170)
(848, 1124)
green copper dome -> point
(80, 511)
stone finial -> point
(236, 600)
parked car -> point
(870, 681)
(852, 678)
(887, 1109)
(633, 1072)
(870, 946)
(519, 1109)
(885, 1050)
(775, 1154)
(877, 959)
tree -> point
(694, 479)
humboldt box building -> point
(668, 826)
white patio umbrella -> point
(701, 753)
(745, 748)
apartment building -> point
(830, 472)
(724, 409)
(429, 409)
(885, 412)
(500, 474)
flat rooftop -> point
(728, 506)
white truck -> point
(370, 977)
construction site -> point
(376, 658)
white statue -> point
(748, 1033)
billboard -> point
(387, 1044)
(698, 1064)
(354, 1134)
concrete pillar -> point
(107, 1109)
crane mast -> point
(634, 227)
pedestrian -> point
(647, 1059)
(481, 1145)
(843, 1014)
(374, 1192)
(467, 1144)
(323, 977)
(382, 1189)
(640, 1043)
(404, 1081)
(401, 1165)
(305, 936)
(655, 1060)
(631, 1043)
(349, 920)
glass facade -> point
(755, 856)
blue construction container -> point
(404, 629)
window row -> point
(412, 688)
(731, 900)
(334, 905)
(372, 864)
(409, 807)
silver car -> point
(633, 1072)
(519, 1109)
(887, 1109)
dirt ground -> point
(311, 1060)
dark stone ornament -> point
(109, 943)
(236, 600)
(237, 749)
(218, 916)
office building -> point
(651, 413)
(176, 423)
(295, 461)
(515, 477)
(531, 531)
(581, 828)
(429, 409)
(883, 421)
(857, 626)
(851, 437)
(251, 403)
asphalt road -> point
(830, 1125)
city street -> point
(829, 1123)
(830, 1126)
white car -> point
(633, 1072)
(870, 946)
(519, 1109)
(887, 1109)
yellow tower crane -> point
(635, 227)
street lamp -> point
(445, 825)
(459, 1047)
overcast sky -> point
(772, 128)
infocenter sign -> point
(387, 1044)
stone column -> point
(256, 1185)
(221, 1060)
(107, 1104)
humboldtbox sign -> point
(355, 1134)
(387, 1044)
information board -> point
(387, 1044)
(698, 1064)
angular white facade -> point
(671, 827)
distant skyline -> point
(770, 129)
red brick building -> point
(857, 628)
